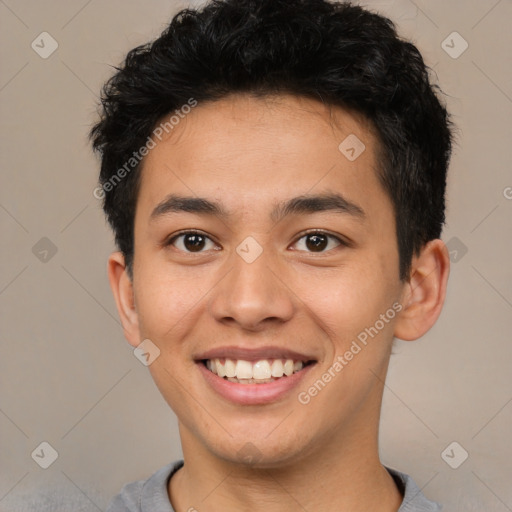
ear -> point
(122, 289)
(424, 293)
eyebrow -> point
(305, 204)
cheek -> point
(163, 301)
(352, 302)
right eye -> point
(191, 242)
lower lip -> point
(253, 394)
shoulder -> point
(128, 499)
(414, 500)
(146, 495)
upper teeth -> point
(260, 370)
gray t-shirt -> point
(151, 495)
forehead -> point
(244, 150)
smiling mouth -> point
(262, 371)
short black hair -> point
(337, 53)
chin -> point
(258, 449)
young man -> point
(274, 172)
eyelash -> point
(340, 241)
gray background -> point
(69, 378)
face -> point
(257, 241)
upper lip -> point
(252, 354)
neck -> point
(337, 477)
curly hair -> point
(337, 53)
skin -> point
(248, 154)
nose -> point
(252, 295)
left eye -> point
(318, 241)
(192, 241)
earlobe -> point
(122, 289)
(425, 292)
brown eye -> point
(318, 242)
(191, 241)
